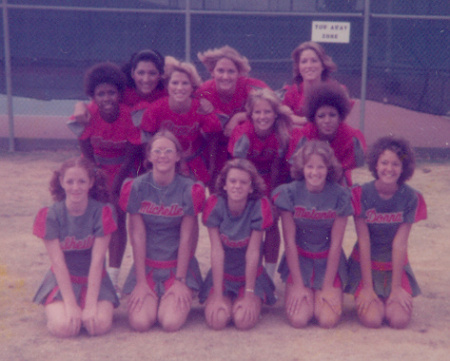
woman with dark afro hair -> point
(326, 108)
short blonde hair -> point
(321, 148)
(172, 65)
(210, 58)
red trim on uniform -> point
(266, 210)
(125, 194)
(209, 206)
(275, 196)
(421, 212)
(233, 278)
(109, 225)
(73, 279)
(404, 283)
(39, 225)
(375, 265)
(161, 264)
(356, 200)
(167, 284)
(312, 255)
(198, 197)
(337, 283)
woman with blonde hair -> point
(314, 209)
(184, 115)
(227, 91)
(263, 139)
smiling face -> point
(327, 121)
(238, 185)
(179, 88)
(146, 77)
(225, 75)
(263, 117)
(107, 97)
(389, 167)
(76, 184)
(315, 172)
(163, 155)
(309, 65)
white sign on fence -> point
(330, 32)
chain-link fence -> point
(51, 43)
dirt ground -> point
(23, 262)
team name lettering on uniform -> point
(301, 212)
(374, 217)
(180, 130)
(100, 142)
(71, 243)
(234, 244)
(148, 207)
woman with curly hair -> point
(76, 231)
(236, 216)
(326, 109)
(144, 84)
(314, 209)
(112, 142)
(381, 277)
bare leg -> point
(103, 321)
(324, 314)
(218, 316)
(305, 313)
(374, 315)
(397, 316)
(170, 315)
(57, 321)
(241, 319)
(145, 318)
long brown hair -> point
(99, 191)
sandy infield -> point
(23, 262)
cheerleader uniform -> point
(235, 232)
(314, 215)
(162, 209)
(383, 218)
(76, 235)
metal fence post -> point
(364, 64)
(8, 76)
(188, 31)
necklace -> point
(160, 191)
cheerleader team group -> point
(155, 140)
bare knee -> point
(327, 318)
(244, 323)
(373, 317)
(304, 314)
(143, 320)
(61, 328)
(171, 317)
(397, 316)
(172, 323)
(57, 322)
(217, 319)
(104, 319)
